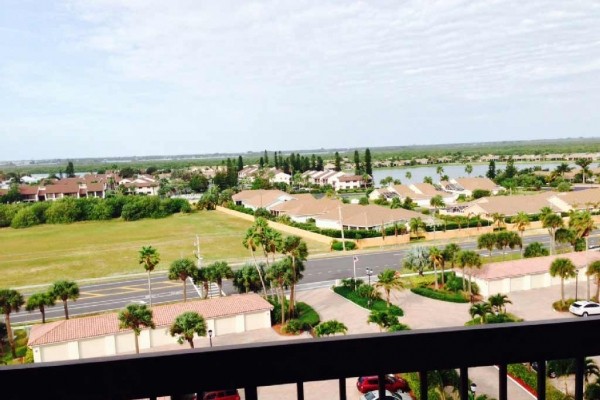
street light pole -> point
(474, 390)
(369, 273)
(210, 337)
(354, 260)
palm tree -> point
(221, 270)
(581, 222)
(387, 280)
(498, 219)
(450, 252)
(417, 259)
(499, 302)
(481, 310)
(564, 268)
(296, 248)
(565, 235)
(246, 279)
(186, 325)
(416, 225)
(384, 319)
(487, 241)
(521, 221)
(436, 256)
(65, 290)
(590, 369)
(40, 301)
(182, 269)
(562, 168)
(440, 171)
(134, 316)
(552, 222)
(535, 249)
(149, 257)
(203, 276)
(584, 163)
(251, 242)
(468, 169)
(594, 270)
(279, 274)
(469, 259)
(273, 242)
(10, 301)
(436, 202)
(330, 327)
(408, 175)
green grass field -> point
(83, 250)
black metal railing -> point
(298, 361)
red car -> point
(366, 384)
(231, 394)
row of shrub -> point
(452, 297)
(529, 377)
(69, 210)
(377, 304)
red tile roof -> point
(108, 324)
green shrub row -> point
(339, 246)
(452, 297)
(376, 304)
(530, 379)
(69, 210)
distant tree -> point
(521, 221)
(40, 301)
(186, 325)
(182, 269)
(562, 168)
(498, 219)
(594, 271)
(338, 162)
(552, 222)
(450, 253)
(511, 170)
(584, 163)
(240, 163)
(479, 193)
(70, 170)
(491, 173)
(220, 271)
(357, 166)
(535, 249)
(127, 172)
(468, 259)
(428, 179)
(368, 163)
(134, 317)
(10, 301)
(149, 257)
(266, 158)
(440, 171)
(198, 183)
(469, 169)
(581, 222)
(408, 175)
(331, 327)
(416, 225)
(563, 268)
(396, 203)
(417, 259)
(386, 181)
(65, 291)
(486, 241)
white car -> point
(374, 395)
(585, 308)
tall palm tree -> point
(436, 256)
(133, 317)
(436, 202)
(149, 258)
(408, 175)
(584, 163)
(246, 279)
(416, 225)
(581, 222)
(182, 269)
(65, 290)
(10, 301)
(40, 301)
(590, 369)
(296, 248)
(498, 219)
(562, 168)
(564, 268)
(388, 280)
(384, 319)
(594, 270)
(186, 325)
(481, 310)
(449, 253)
(469, 169)
(468, 259)
(279, 274)
(417, 259)
(251, 241)
(499, 302)
(552, 222)
(221, 270)
(331, 327)
(440, 171)
(487, 241)
(521, 221)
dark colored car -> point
(231, 394)
(366, 384)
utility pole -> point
(342, 227)
(199, 264)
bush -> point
(307, 316)
(560, 306)
(65, 211)
(479, 193)
(25, 218)
(292, 326)
(7, 213)
(455, 284)
(350, 282)
(440, 295)
(376, 304)
(535, 249)
(338, 246)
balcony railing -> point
(299, 361)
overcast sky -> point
(142, 77)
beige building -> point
(100, 335)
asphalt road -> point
(319, 272)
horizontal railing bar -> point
(264, 364)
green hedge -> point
(376, 304)
(451, 297)
(528, 377)
(307, 316)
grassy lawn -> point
(45, 253)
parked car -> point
(585, 308)
(366, 384)
(374, 395)
(231, 394)
(549, 371)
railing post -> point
(502, 392)
(541, 380)
(423, 384)
(381, 380)
(464, 383)
(300, 390)
(251, 393)
(342, 385)
(579, 371)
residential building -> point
(467, 186)
(255, 199)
